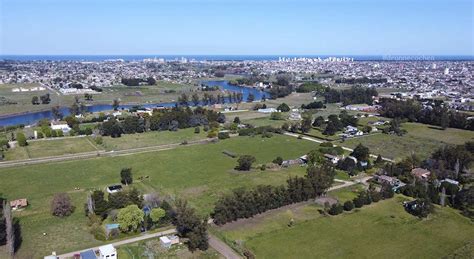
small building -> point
(168, 241)
(385, 179)
(88, 254)
(267, 110)
(333, 159)
(295, 116)
(107, 252)
(61, 126)
(18, 204)
(114, 188)
(420, 173)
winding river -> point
(33, 117)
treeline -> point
(245, 203)
(313, 105)
(354, 95)
(311, 87)
(433, 113)
(173, 119)
(137, 81)
(361, 80)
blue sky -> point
(357, 27)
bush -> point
(197, 130)
(21, 138)
(336, 209)
(223, 135)
(278, 160)
(358, 202)
(376, 196)
(283, 107)
(61, 205)
(348, 205)
(212, 134)
(245, 162)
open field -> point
(380, 230)
(346, 194)
(198, 173)
(151, 138)
(421, 139)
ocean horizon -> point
(233, 57)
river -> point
(29, 118)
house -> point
(18, 204)
(88, 254)
(267, 110)
(332, 158)
(420, 173)
(107, 252)
(168, 241)
(61, 126)
(385, 179)
(114, 188)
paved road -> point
(222, 248)
(123, 242)
(321, 141)
(99, 153)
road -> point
(321, 141)
(99, 153)
(123, 242)
(222, 248)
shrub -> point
(212, 134)
(278, 160)
(21, 138)
(61, 205)
(348, 205)
(245, 162)
(336, 209)
(223, 135)
(197, 130)
(358, 202)
(376, 196)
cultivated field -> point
(380, 230)
(198, 173)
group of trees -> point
(173, 119)
(43, 99)
(10, 229)
(364, 198)
(245, 203)
(137, 81)
(311, 87)
(353, 95)
(191, 226)
(335, 123)
(313, 105)
(98, 205)
(432, 112)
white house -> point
(63, 127)
(107, 252)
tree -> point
(379, 160)
(336, 209)
(88, 97)
(21, 138)
(157, 214)
(278, 160)
(100, 205)
(306, 124)
(74, 109)
(61, 205)
(348, 205)
(126, 176)
(183, 100)
(330, 129)
(190, 226)
(151, 81)
(195, 99)
(283, 107)
(9, 228)
(45, 99)
(361, 153)
(420, 207)
(320, 178)
(319, 121)
(237, 120)
(35, 100)
(116, 104)
(57, 114)
(250, 98)
(130, 218)
(244, 163)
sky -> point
(225, 27)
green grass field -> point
(420, 139)
(380, 230)
(198, 173)
(151, 138)
(51, 147)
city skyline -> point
(362, 27)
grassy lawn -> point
(266, 121)
(50, 147)
(421, 139)
(151, 138)
(347, 193)
(199, 173)
(380, 230)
